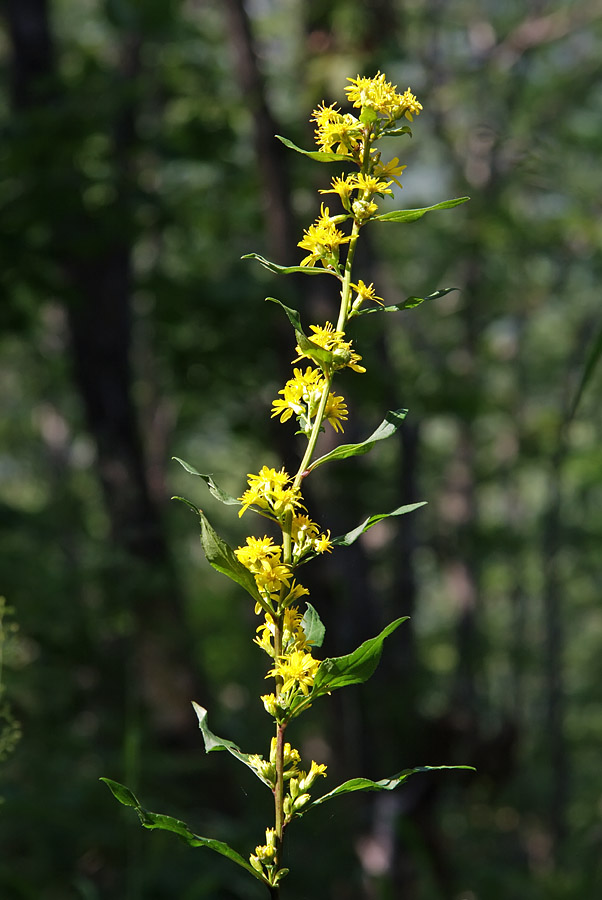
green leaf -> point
(121, 793)
(292, 315)
(187, 503)
(221, 557)
(321, 356)
(354, 668)
(214, 488)
(410, 215)
(368, 116)
(213, 742)
(153, 820)
(345, 540)
(287, 270)
(386, 784)
(409, 303)
(405, 129)
(387, 427)
(320, 155)
(313, 627)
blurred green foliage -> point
(135, 138)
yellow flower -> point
(380, 95)
(296, 670)
(364, 292)
(269, 492)
(307, 781)
(263, 559)
(301, 396)
(335, 130)
(323, 544)
(371, 184)
(391, 170)
(374, 93)
(266, 853)
(297, 590)
(270, 704)
(302, 531)
(256, 551)
(293, 636)
(343, 187)
(331, 340)
(336, 411)
(410, 105)
(290, 757)
(323, 240)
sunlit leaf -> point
(319, 155)
(346, 540)
(312, 626)
(389, 132)
(287, 270)
(387, 427)
(321, 356)
(222, 558)
(354, 668)
(213, 742)
(153, 820)
(410, 215)
(385, 784)
(214, 488)
(409, 303)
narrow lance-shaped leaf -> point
(319, 155)
(390, 132)
(222, 558)
(345, 540)
(387, 427)
(410, 303)
(312, 626)
(214, 488)
(308, 347)
(288, 270)
(354, 668)
(153, 820)
(410, 215)
(385, 784)
(213, 742)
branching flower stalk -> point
(265, 568)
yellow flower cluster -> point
(273, 579)
(380, 95)
(293, 635)
(301, 396)
(322, 240)
(271, 494)
(336, 132)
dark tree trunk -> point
(97, 274)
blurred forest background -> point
(137, 165)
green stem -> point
(346, 288)
(311, 444)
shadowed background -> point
(137, 165)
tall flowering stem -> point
(266, 566)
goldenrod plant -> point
(290, 632)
